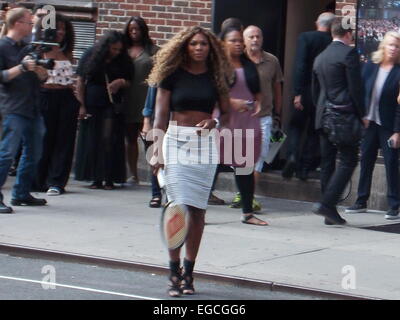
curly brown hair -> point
(174, 54)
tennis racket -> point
(174, 225)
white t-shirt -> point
(373, 110)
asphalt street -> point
(28, 278)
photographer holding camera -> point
(19, 91)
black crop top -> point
(195, 92)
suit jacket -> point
(337, 79)
(309, 45)
(389, 109)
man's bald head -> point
(253, 38)
(325, 20)
(252, 29)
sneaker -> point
(256, 205)
(30, 201)
(54, 191)
(214, 200)
(133, 181)
(392, 214)
(356, 208)
(237, 202)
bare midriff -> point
(189, 118)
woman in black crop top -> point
(190, 74)
(59, 109)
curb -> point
(18, 250)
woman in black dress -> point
(103, 73)
(141, 50)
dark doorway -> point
(269, 15)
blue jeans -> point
(266, 127)
(17, 131)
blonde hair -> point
(12, 16)
(173, 55)
(379, 55)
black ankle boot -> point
(187, 278)
(175, 279)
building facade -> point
(165, 17)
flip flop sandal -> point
(245, 219)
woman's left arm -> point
(396, 128)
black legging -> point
(245, 184)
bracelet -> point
(217, 123)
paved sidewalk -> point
(297, 248)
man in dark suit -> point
(309, 46)
(337, 80)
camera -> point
(42, 42)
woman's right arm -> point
(80, 95)
(162, 111)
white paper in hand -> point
(161, 178)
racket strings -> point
(175, 227)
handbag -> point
(340, 123)
(342, 127)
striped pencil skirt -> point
(190, 162)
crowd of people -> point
(371, 32)
(194, 88)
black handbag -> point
(340, 123)
(342, 127)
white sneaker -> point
(53, 191)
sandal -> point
(247, 217)
(109, 186)
(174, 290)
(175, 279)
(96, 185)
(155, 202)
(187, 285)
(187, 278)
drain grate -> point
(390, 228)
